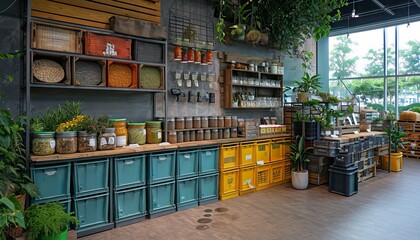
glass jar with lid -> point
(179, 123)
(197, 122)
(153, 132)
(212, 121)
(171, 123)
(192, 136)
(120, 131)
(43, 143)
(172, 137)
(220, 133)
(220, 121)
(188, 123)
(226, 133)
(234, 121)
(204, 122)
(86, 142)
(186, 136)
(233, 132)
(199, 135)
(66, 142)
(228, 121)
(136, 133)
(207, 134)
(106, 139)
(214, 134)
(179, 137)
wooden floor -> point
(386, 207)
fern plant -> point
(48, 219)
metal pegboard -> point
(191, 24)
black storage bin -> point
(312, 130)
(344, 160)
(343, 180)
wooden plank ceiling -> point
(95, 13)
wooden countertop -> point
(350, 137)
(148, 148)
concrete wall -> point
(134, 106)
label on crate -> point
(248, 181)
(261, 162)
(334, 136)
(52, 143)
(248, 157)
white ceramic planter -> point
(300, 179)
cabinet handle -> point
(50, 173)
(162, 158)
(208, 153)
(129, 162)
(187, 156)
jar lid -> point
(136, 124)
(109, 130)
(85, 134)
(117, 119)
(212, 117)
(172, 132)
(43, 134)
(203, 117)
(220, 117)
(214, 130)
(233, 129)
(188, 118)
(179, 119)
(66, 134)
(228, 117)
(197, 117)
(153, 124)
(201, 130)
(170, 119)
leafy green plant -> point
(63, 113)
(415, 109)
(308, 82)
(395, 138)
(333, 100)
(103, 122)
(48, 219)
(10, 214)
(13, 174)
(377, 120)
(299, 153)
(37, 125)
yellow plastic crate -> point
(247, 154)
(247, 180)
(287, 171)
(263, 177)
(277, 149)
(228, 195)
(229, 182)
(277, 173)
(262, 151)
(229, 156)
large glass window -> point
(357, 65)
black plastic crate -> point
(348, 148)
(360, 165)
(343, 180)
(326, 144)
(344, 160)
(327, 152)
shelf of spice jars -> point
(145, 148)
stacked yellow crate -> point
(262, 157)
(247, 170)
(229, 171)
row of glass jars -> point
(187, 75)
(46, 143)
(249, 81)
(201, 122)
(200, 135)
(261, 102)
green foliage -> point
(10, 214)
(308, 82)
(289, 23)
(333, 100)
(299, 153)
(415, 109)
(63, 113)
(375, 58)
(341, 64)
(395, 138)
(37, 125)
(7, 56)
(13, 174)
(103, 122)
(411, 57)
(48, 219)
(89, 124)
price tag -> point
(248, 157)
(356, 132)
(261, 162)
(368, 130)
(334, 136)
(92, 142)
(111, 140)
(102, 141)
(159, 135)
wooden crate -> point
(77, 82)
(56, 38)
(63, 61)
(95, 13)
(149, 52)
(113, 83)
(107, 46)
(318, 178)
(151, 77)
(139, 28)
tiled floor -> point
(386, 207)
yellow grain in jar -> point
(120, 131)
(153, 132)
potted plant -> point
(396, 141)
(11, 217)
(235, 101)
(238, 31)
(306, 84)
(48, 221)
(298, 157)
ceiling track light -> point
(387, 10)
